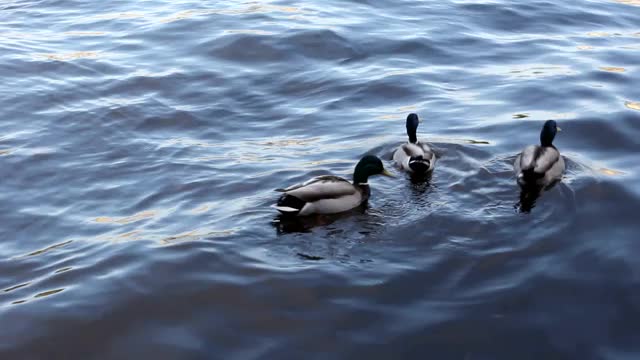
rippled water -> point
(140, 144)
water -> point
(140, 144)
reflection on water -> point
(420, 182)
(69, 56)
(127, 219)
(201, 209)
(635, 105)
(249, 31)
(310, 257)
(610, 172)
(538, 71)
(629, 2)
(612, 69)
(599, 34)
(195, 235)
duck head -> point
(369, 165)
(412, 127)
(548, 133)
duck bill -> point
(385, 172)
(558, 128)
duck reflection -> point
(285, 224)
(420, 182)
(529, 195)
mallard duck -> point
(330, 194)
(414, 157)
(540, 165)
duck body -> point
(330, 194)
(414, 157)
(326, 194)
(540, 165)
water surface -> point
(140, 143)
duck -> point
(414, 157)
(329, 194)
(540, 166)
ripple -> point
(289, 142)
(536, 71)
(85, 33)
(119, 16)
(15, 287)
(253, 8)
(50, 248)
(186, 14)
(48, 293)
(65, 269)
(152, 134)
(322, 44)
(195, 235)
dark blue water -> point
(140, 143)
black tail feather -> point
(290, 201)
(419, 165)
(528, 177)
(531, 174)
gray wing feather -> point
(538, 158)
(322, 187)
(546, 159)
(428, 153)
(555, 172)
(418, 149)
(527, 159)
(412, 150)
(542, 160)
(405, 152)
(311, 181)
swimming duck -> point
(414, 157)
(330, 194)
(540, 165)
